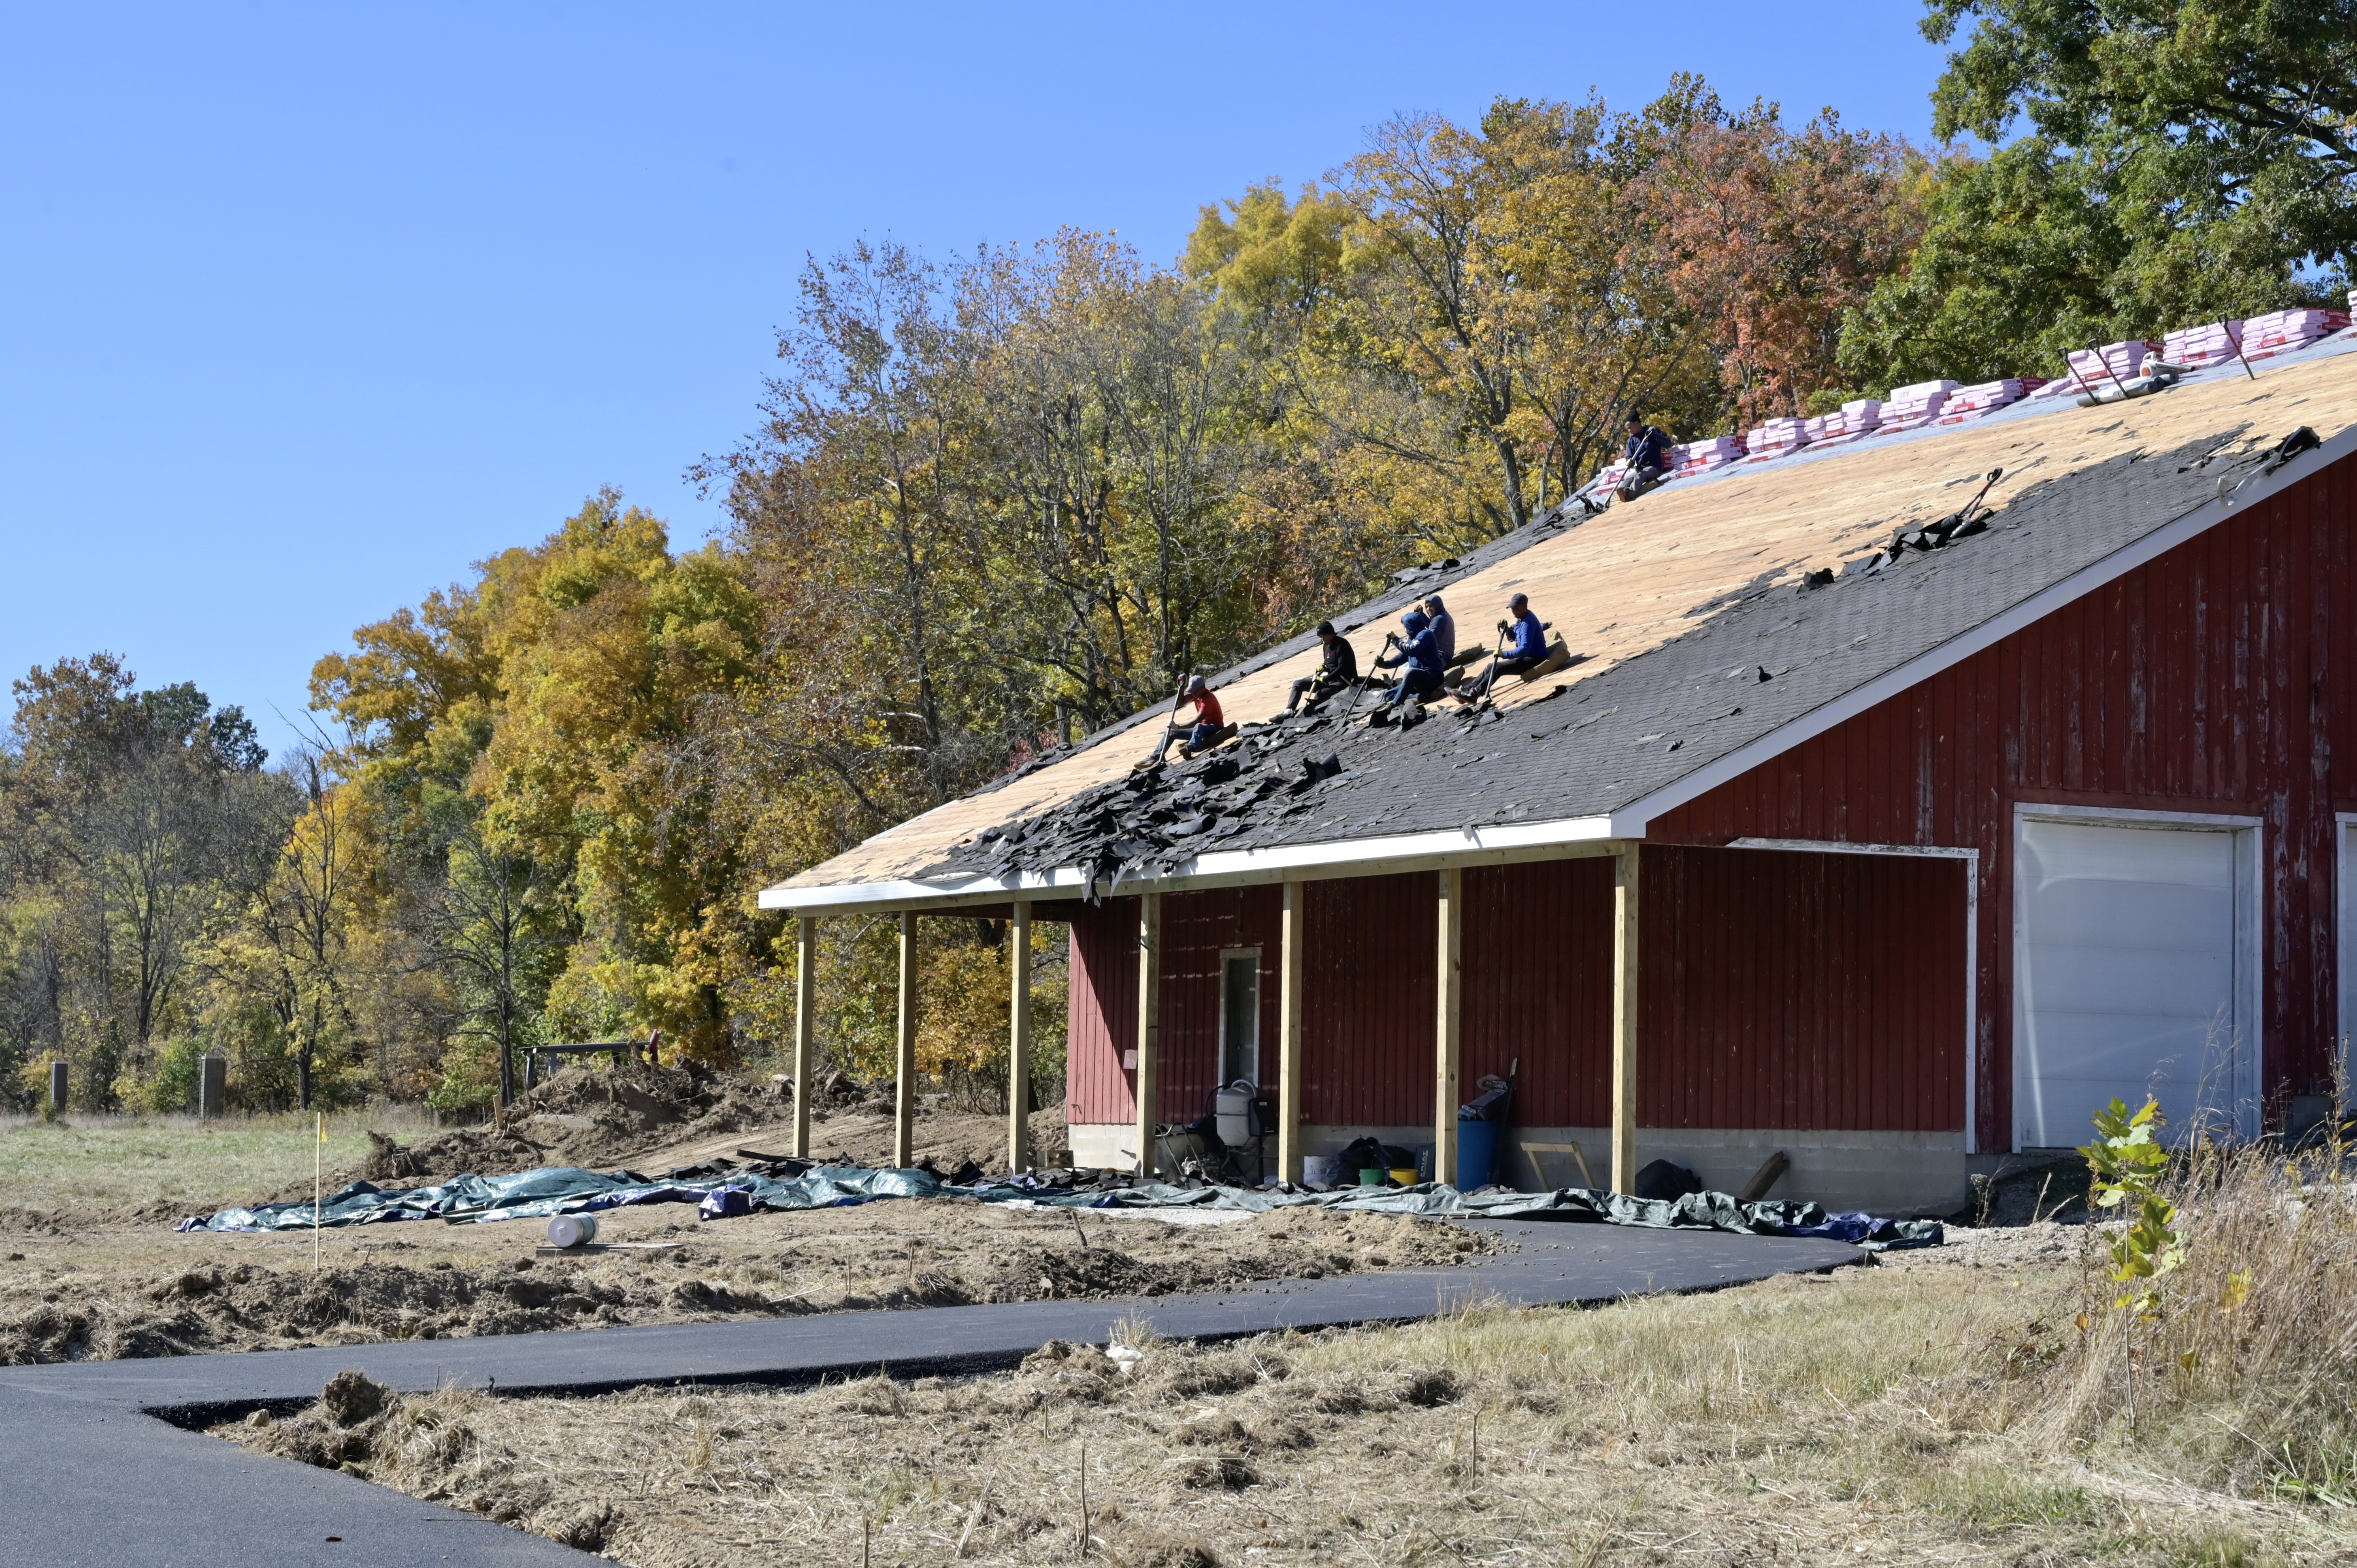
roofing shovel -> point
(1481, 684)
(1170, 734)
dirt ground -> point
(130, 1291)
(1851, 1418)
(80, 1280)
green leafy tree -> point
(2213, 110)
(2185, 161)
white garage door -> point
(2129, 975)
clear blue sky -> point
(305, 309)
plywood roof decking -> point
(1665, 595)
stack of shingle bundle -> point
(1850, 422)
(2087, 372)
(1775, 438)
(2285, 330)
(1908, 408)
(1701, 456)
(1608, 477)
(1972, 402)
(2196, 346)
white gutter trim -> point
(1632, 819)
(1488, 842)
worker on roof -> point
(1647, 454)
(1204, 733)
(1523, 648)
(1421, 655)
(1444, 629)
(1338, 667)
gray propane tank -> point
(1232, 1108)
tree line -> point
(996, 501)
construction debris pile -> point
(1162, 814)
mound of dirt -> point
(594, 1117)
(651, 1118)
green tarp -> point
(567, 1189)
(563, 1189)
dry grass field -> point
(1948, 1406)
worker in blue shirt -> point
(1421, 655)
(1524, 649)
(1647, 453)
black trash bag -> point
(1666, 1181)
(1366, 1155)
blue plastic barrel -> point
(1477, 1154)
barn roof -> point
(1704, 649)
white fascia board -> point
(1494, 842)
(1631, 821)
(850, 898)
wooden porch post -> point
(904, 1092)
(1149, 1025)
(805, 1024)
(1446, 1031)
(1018, 1038)
(1289, 1038)
(1624, 1017)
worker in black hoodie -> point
(1338, 667)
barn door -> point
(2135, 964)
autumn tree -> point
(1769, 236)
(137, 818)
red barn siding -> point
(1103, 1020)
(1802, 991)
(1196, 928)
(1783, 990)
(2201, 682)
(1367, 961)
(1538, 986)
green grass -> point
(122, 1163)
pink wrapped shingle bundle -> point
(2195, 346)
(1972, 402)
(2285, 331)
(1861, 416)
(1608, 477)
(1908, 408)
(1775, 438)
(1701, 456)
(2087, 372)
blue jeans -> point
(1414, 683)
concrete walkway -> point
(95, 1478)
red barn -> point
(1898, 860)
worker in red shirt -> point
(1205, 731)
